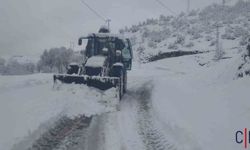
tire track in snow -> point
(83, 133)
(96, 137)
(66, 134)
(152, 136)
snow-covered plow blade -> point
(106, 59)
(102, 83)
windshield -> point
(95, 46)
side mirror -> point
(80, 41)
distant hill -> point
(193, 31)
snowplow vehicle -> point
(107, 57)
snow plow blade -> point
(102, 83)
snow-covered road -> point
(133, 126)
(170, 104)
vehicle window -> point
(119, 44)
(126, 54)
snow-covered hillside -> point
(199, 106)
(193, 31)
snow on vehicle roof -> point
(95, 61)
(104, 35)
(73, 64)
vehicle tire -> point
(73, 70)
(121, 84)
(88, 83)
(125, 82)
(119, 72)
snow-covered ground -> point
(28, 101)
(189, 102)
(200, 105)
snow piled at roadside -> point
(28, 101)
(201, 105)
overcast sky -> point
(27, 27)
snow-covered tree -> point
(189, 45)
(180, 39)
(2, 61)
(219, 49)
(2, 65)
(173, 46)
(244, 66)
(13, 67)
(152, 44)
(55, 59)
(141, 53)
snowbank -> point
(201, 106)
(28, 101)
